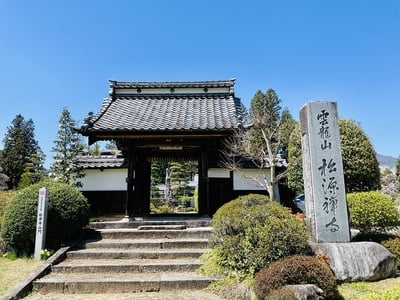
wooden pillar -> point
(204, 201)
(130, 184)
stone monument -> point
(325, 199)
(41, 223)
(324, 188)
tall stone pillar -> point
(324, 188)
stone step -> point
(189, 223)
(162, 227)
(120, 282)
(112, 253)
(146, 243)
(126, 265)
(129, 233)
(181, 294)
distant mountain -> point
(386, 161)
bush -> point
(297, 269)
(68, 213)
(372, 211)
(393, 245)
(5, 197)
(251, 231)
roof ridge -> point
(115, 83)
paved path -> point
(168, 295)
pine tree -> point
(68, 147)
(19, 147)
(34, 169)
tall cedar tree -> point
(20, 147)
(68, 147)
(264, 141)
(360, 166)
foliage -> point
(389, 184)
(232, 288)
(45, 254)
(361, 167)
(251, 231)
(264, 141)
(3, 179)
(20, 148)
(67, 148)
(398, 170)
(5, 197)
(376, 237)
(387, 289)
(68, 213)
(298, 269)
(393, 245)
(372, 211)
(295, 162)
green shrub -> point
(372, 211)
(298, 269)
(251, 231)
(68, 213)
(393, 245)
(5, 197)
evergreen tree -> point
(68, 147)
(295, 165)
(19, 147)
(361, 167)
(34, 170)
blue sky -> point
(56, 54)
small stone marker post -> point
(324, 188)
(41, 223)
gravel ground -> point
(167, 295)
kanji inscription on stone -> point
(41, 223)
(324, 188)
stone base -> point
(127, 219)
(358, 261)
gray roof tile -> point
(109, 160)
(168, 111)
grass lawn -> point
(388, 289)
(13, 272)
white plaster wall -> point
(218, 173)
(106, 180)
(246, 179)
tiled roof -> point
(173, 84)
(104, 160)
(214, 107)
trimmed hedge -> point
(393, 245)
(372, 212)
(251, 231)
(68, 213)
(298, 269)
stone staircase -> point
(133, 257)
